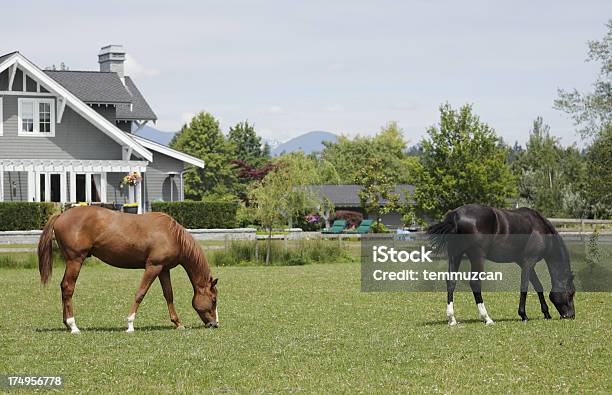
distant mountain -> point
(308, 142)
(158, 136)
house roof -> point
(106, 87)
(347, 195)
(92, 86)
(6, 56)
(153, 146)
(139, 110)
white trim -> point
(73, 186)
(63, 186)
(60, 109)
(87, 187)
(47, 175)
(79, 166)
(12, 73)
(139, 196)
(36, 117)
(37, 186)
(1, 184)
(76, 104)
(103, 187)
(1, 117)
(169, 151)
(32, 94)
(31, 186)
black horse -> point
(522, 236)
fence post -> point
(256, 249)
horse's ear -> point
(214, 282)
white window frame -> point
(47, 175)
(36, 108)
(102, 191)
(1, 117)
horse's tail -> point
(45, 250)
(439, 233)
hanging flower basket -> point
(131, 179)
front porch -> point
(70, 181)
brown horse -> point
(154, 242)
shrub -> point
(310, 222)
(379, 228)
(25, 215)
(352, 218)
(244, 253)
(200, 215)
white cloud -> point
(275, 109)
(133, 68)
(186, 117)
(406, 106)
(336, 67)
(333, 108)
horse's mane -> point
(191, 252)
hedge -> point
(25, 215)
(200, 215)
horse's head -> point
(564, 300)
(205, 303)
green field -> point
(297, 329)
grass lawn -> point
(297, 329)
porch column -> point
(1, 183)
(139, 195)
(73, 198)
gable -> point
(16, 62)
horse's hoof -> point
(181, 327)
(75, 332)
(452, 322)
(547, 316)
(524, 318)
(489, 322)
(130, 330)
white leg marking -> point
(450, 314)
(72, 324)
(217, 315)
(130, 321)
(482, 311)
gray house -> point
(68, 136)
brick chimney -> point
(112, 58)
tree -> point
(592, 111)
(599, 186)
(462, 163)
(550, 177)
(284, 192)
(376, 185)
(247, 145)
(348, 156)
(270, 207)
(203, 139)
(299, 172)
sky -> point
(347, 67)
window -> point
(36, 117)
(51, 187)
(1, 116)
(89, 187)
